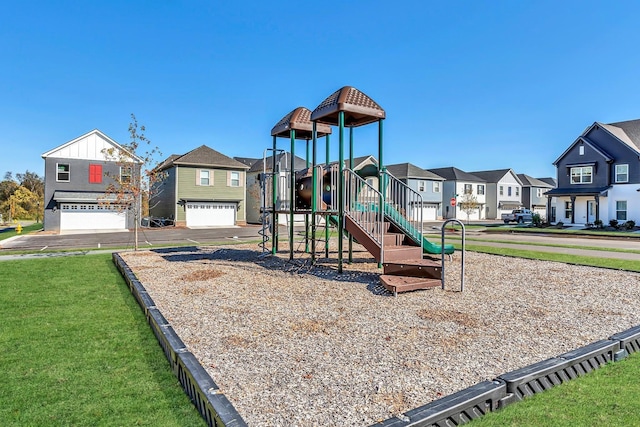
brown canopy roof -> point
(358, 108)
(300, 121)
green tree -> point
(139, 161)
(468, 204)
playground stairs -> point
(405, 269)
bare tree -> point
(468, 204)
(138, 162)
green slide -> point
(404, 224)
(395, 216)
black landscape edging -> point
(205, 395)
(456, 409)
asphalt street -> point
(150, 237)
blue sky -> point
(472, 84)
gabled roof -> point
(202, 156)
(298, 163)
(628, 132)
(495, 175)
(91, 146)
(454, 174)
(408, 170)
(550, 180)
(249, 161)
(529, 181)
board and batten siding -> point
(188, 178)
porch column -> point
(573, 209)
(597, 197)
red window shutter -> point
(95, 174)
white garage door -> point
(209, 214)
(91, 217)
(429, 213)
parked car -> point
(518, 215)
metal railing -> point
(403, 206)
(363, 204)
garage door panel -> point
(91, 217)
(210, 214)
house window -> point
(517, 191)
(95, 174)
(468, 189)
(204, 177)
(581, 150)
(125, 174)
(421, 186)
(509, 191)
(621, 210)
(64, 173)
(480, 189)
(622, 173)
(582, 175)
(234, 179)
(567, 210)
(538, 192)
(501, 190)
(436, 186)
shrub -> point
(629, 225)
(536, 219)
(613, 223)
(598, 223)
(559, 224)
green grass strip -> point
(25, 230)
(616, 264)
(76, 350)
(609, 396)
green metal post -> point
(292, 192)
(326, 219)
(274, 197)
(382, 177)
(351, 165)
(340, 188)
(314, 195)
(306, 216)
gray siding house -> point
(77, 176)
(533, 197)
(504, 191)
(599, 176)
(458, 186)
(427, 184)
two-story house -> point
(533, 197)
(504, 191)
(254, 189)
(77, 176)
(460, 186)
(202, 188)
(599, 175)
(425, 183)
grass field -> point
(76, 350)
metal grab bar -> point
(462, 252)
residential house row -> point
(597, 180)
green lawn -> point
(609, 396)
(25, 230)
(76, 350)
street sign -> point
(453, 201)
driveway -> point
(148, 237)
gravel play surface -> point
(291, 345)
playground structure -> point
(369, 205)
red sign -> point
(453, 201)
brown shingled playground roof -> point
(300, 121)
(358, 108)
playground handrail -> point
(362, 205)
(403, 206)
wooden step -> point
(401, 253)
(393, 239)
(397, 284)
(414, 268)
